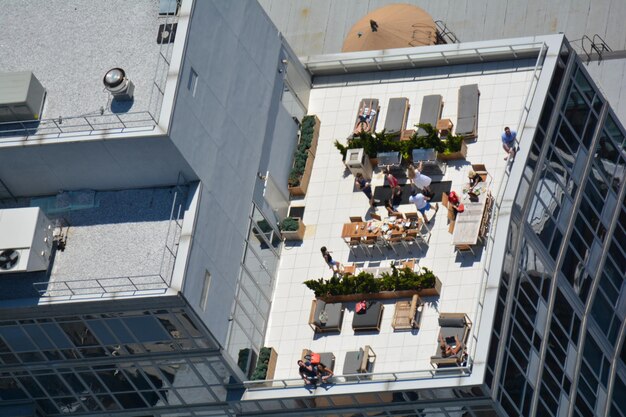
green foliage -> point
(301, 153)
(382, 142)
(366, 283)
(260, 372)
(242, 359)
(289, 224)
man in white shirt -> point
(422, 204)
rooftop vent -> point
(25, 240)
(21, 96)
(118, 84)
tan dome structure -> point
(392, 26)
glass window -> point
(146, 329)
(15, 337)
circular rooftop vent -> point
(8, 259)
(114, 80)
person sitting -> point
(389, 207)
(474, 179)
(324, 372)
(308, 372)
(454, 203)
(447, 350)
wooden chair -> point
(411, 215)
(481, 170)
(370, 243)
(376, 216)
(349, 269)
(444, 200)
(396, 239)
(354, 243)
(413, 237)
(356, 219)
(409, 263)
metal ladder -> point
(445, 35)
(593, 48)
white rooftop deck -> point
(331, 199)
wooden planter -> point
(296, 234)
(271, 365)
(300, 190)
(385, 295)
(456, 155)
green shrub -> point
(301, 153)
(242, 359)
(372, 144)
(366, 283)
(260, 372)
(289, 224)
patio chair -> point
(370, 320)
(349, 269)
(396, 239)
(408, 314)
(326, 317)
(376, 216)
(356, 219)
(354, 244)
(370, 243)
(451, 325)
(326, 358)
(413, 238)
(359, 362)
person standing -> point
(364, 185)
(393, 181)
(419, 180)
(508, 143)
(422, 204)
(332, 264)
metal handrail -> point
(351, 379)
(444, 34)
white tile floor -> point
(331, 198)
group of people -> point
(312, 373)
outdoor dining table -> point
(375, 229)
(469, 223)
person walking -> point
(419, 180)
(393, 181)
(508, 143)
(332, 264)
(422, 204)
(365, 186)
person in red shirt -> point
(454, 203)
(393, 181)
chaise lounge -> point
(452, 324)
(365, 108)
(326, 358)
(397, 115)
(432, 106)
(359, 362)
(326, 317)
(467, 115)
(370, 320)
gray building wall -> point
(221, 130)
(99, 164)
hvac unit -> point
(21, 96)
(25, 240)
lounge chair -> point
(365, 108)
(452, 324)
(397, 115)
(408, 314)
(326, 317)
(370, 320)
(359, 362)
(467, 114)
(326, 358)
(432, 106)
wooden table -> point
(468, 224)
(359, 230)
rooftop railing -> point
(350, 379)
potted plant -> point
(304, 156)
(292, 228)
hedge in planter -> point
(289, 224)
(372, 144)
(260, 372)
(366, 283)
(302, 151)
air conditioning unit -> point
(25, 240)
(21, 96)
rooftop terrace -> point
(69, 46)
(332, 198)
(117, 244)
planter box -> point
(384, 295)
(316, 136)
(300, 190)
(456, 155)
(271, 365)
(296, 234)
